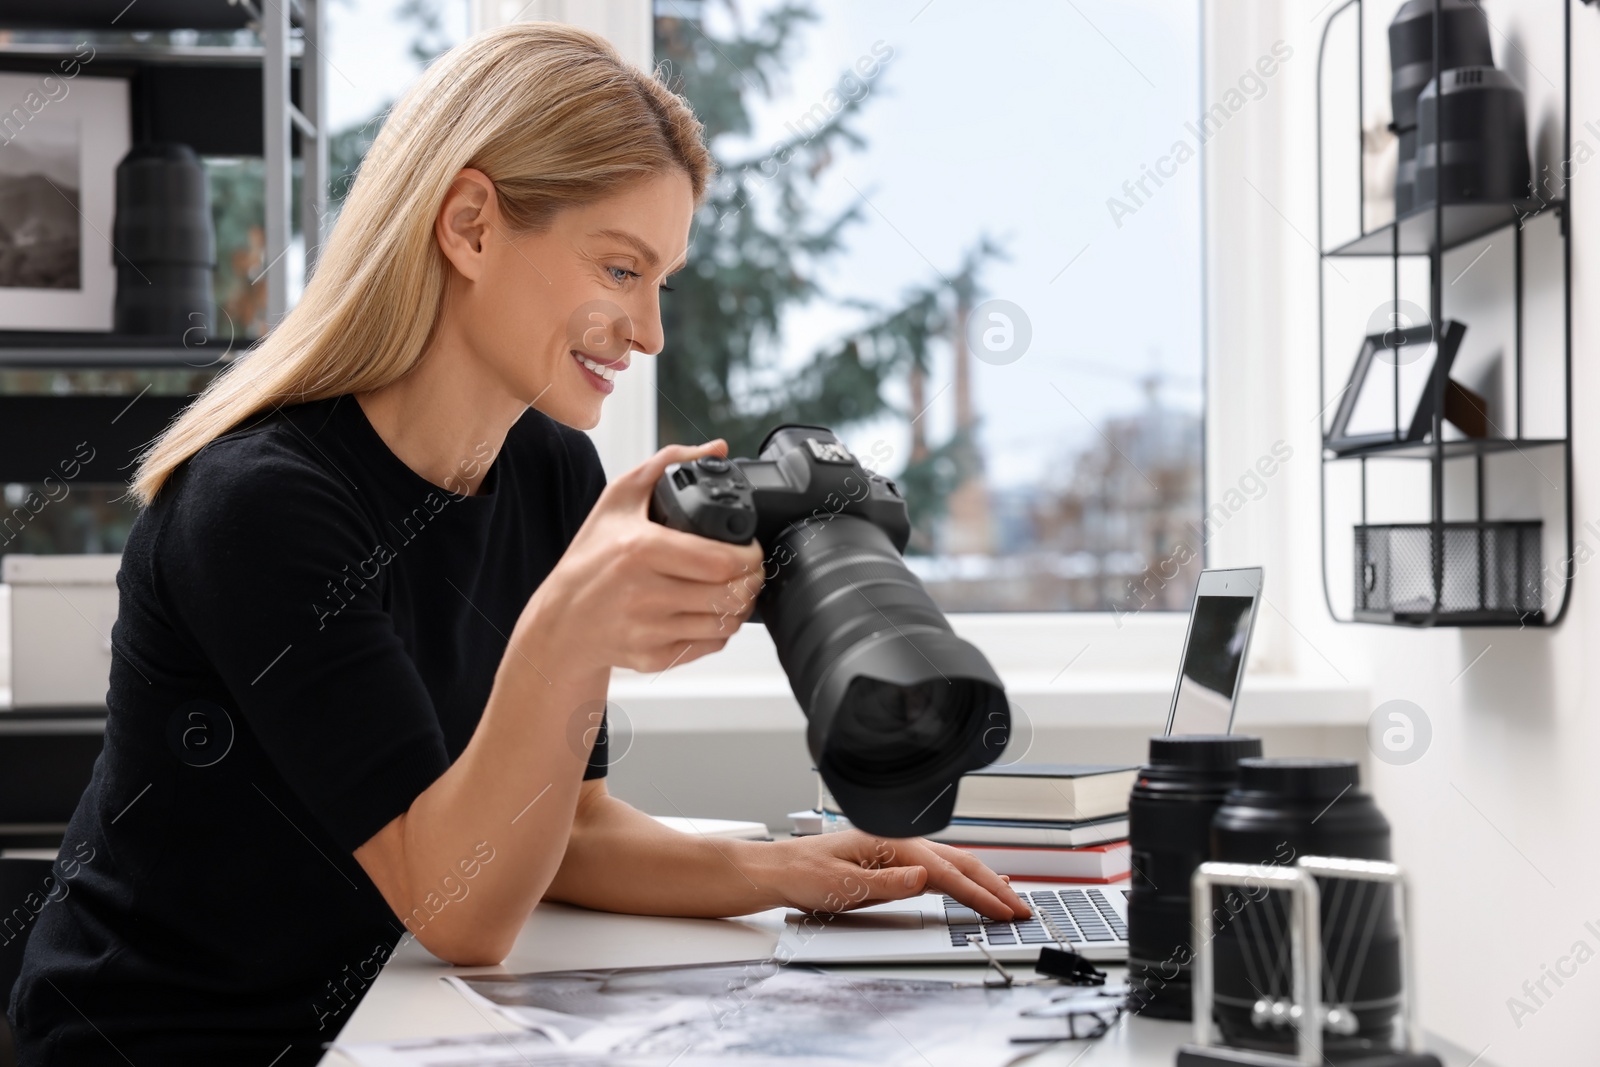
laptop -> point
(1091, 920)
(1215, 647)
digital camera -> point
(899, 707)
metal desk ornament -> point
(1306, 955)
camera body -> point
(812, 476)
(898, 706)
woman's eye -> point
(621, 274)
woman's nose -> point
(648, 335)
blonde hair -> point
(552, 114)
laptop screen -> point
(1218, 631)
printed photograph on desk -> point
(756, 1011)
(510, 1049)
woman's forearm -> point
(627, 592)
(510, 797)
(620, 859)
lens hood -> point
(921, 798)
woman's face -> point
(558, 316)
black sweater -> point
(307, 634)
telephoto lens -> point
(1282, 809)
(899, 706)
(1464, 42)
(165, 247)
(1472, 147)
(1169, 833)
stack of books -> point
(1039, 821)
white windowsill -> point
(763, 702)
(1060, 670)
(1120, 675)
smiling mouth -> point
(606, 371)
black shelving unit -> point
(1473, 571)
(1448, 226)
(266, 99)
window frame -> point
(1022, 644)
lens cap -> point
(1203, 752)
(1299, 778)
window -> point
(965, 236)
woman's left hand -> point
(850, 869)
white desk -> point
(409, 1000)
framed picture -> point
(1397, 378)
(61, 139)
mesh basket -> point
(1490, 573)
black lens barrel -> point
(899, 707)
(1280, 810)
(165, 247)
(1169, 832)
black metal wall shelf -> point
(1459, 620)
(1462, 224)
(1460, 567)
(1454, 449)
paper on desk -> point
(475, 1050)
(757, 1012)
(522, 1048)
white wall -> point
(1497, 823)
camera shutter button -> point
(713, 464)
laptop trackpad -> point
(863, 922)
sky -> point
(1021, 124)
(369, 55)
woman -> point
(370, 608)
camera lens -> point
(1169, 834)
(893, 733)
(1464, 42)
(899, 706)
(1282, 809)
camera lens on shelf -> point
(1169, 833)
(1464, 41)
(163, 242)
(1280, 810)
(1472, 139)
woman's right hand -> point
(632, 593)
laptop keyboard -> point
(1059, 916)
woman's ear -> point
(465, 220)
